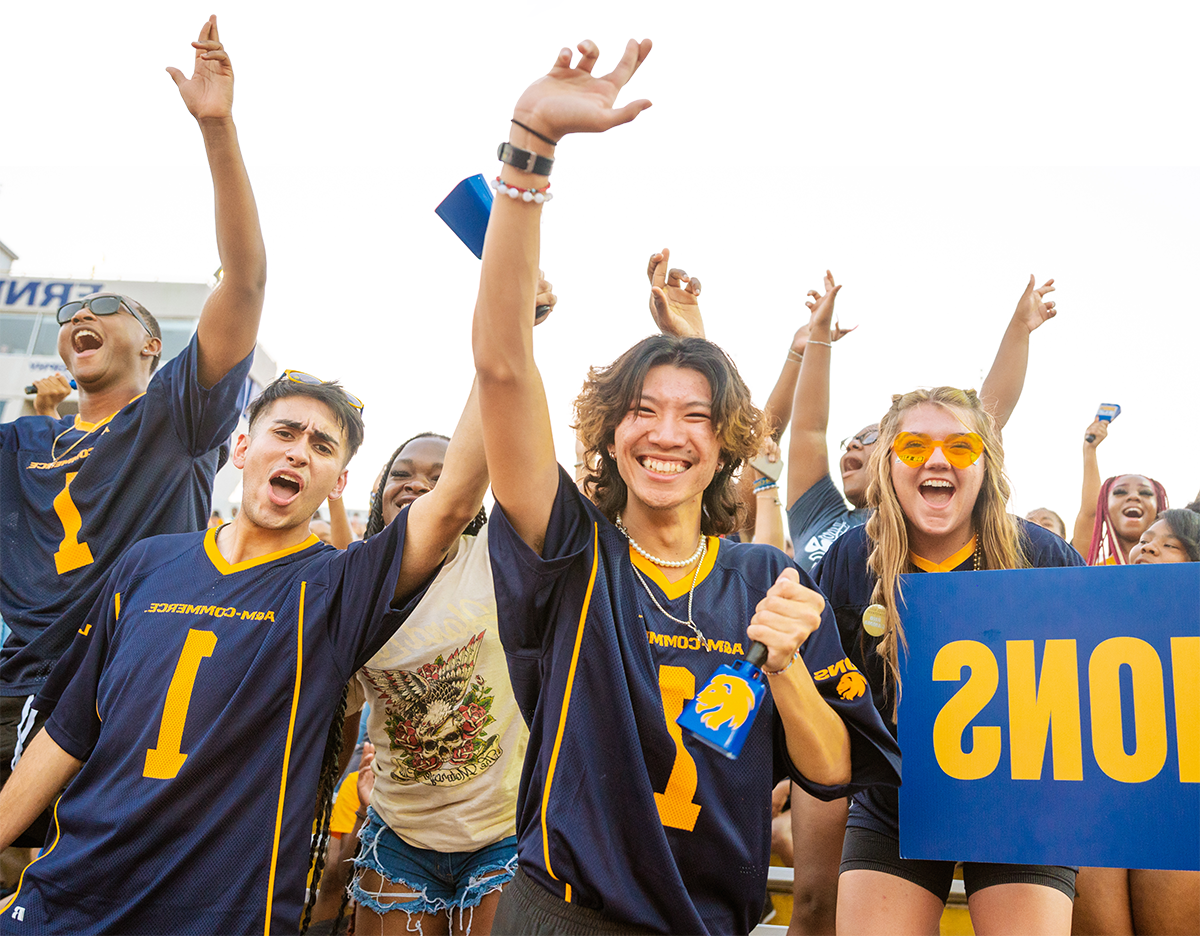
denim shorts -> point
(437, 880)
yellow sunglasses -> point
(962, 450)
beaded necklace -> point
(697, 557)
(663, 563)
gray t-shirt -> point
(817, 519)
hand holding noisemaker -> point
(723, 712)
(1107, 412)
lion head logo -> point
(852, 685)
(726, 699)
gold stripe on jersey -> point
(287, 753)
(949, 564)
(562, 718)
(678, 589)
(5, 904)
(227, 568)
(92, 427)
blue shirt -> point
(200, 700)
(847, 582)
(817, 518)
(74, 496)
(617, 810)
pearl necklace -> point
(663, 563)
(691, 591)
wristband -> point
(793, 356)
(524, 160)
(825, 343)
(540, 136)
(795, 657)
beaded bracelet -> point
(795, 657)
(827, 344)
(764, 484)
(528, 195)
(793, 356)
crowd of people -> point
(468, 722)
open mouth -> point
(937, 492)
(284, 488)
(851, 463)
(86, 340)
(1133, 512)
(663, 465)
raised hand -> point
(571, 100)
(674, 306)
(1096, 433)
(50, 392)
(208, 94)
(821, 313)
(1032, 309)
(546, 300)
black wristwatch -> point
(524, 160)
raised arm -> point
(340, 534)
(1081, 537)
(808, 453)
(44, 769)
(228, 325)
(517, 430)
(1002, 387)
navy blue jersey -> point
(74, 496)
(617, 811)
(847, 583)
(200, 701)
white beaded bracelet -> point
(795, 657)
(527, 195)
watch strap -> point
(524, 160)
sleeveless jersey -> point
(617, 811)
(74, 496)
(200, 703)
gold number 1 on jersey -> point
(163, 762)
(71, 554)
(675, 807)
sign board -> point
(1052, 716)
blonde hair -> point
(999, 534)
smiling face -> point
(103, 349)
(1132, 507)
(665, 447)
(1158, 544)
(293, 458)
(414, 472)
(937, 498)
(854, 466)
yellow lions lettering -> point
(726, 699)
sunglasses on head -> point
(961, 449)
(864, 438)
(99, 305)
(299, 376)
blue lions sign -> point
(1052, 716)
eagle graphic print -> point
(437, 718)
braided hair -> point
(326, 787)
(375, 522)
(1104, 548)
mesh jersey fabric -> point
(449, 741)
(617, 812)
(75, 495)
(817, 518)
(847, 583)
(200, 701)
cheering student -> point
(818, 514)
(1113, 515)
(195, 702)
(613, 614)
(938, 496)
(140, 457)
(1129, 901)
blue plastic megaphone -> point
(723, 712)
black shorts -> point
(527, 907)
(867, 850)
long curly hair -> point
(999, 534)
(610, 392)
(375, 522)
(1104, 548)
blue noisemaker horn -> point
(466, 211)
(32, 389)
(723, 712)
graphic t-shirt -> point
(74, 496)
(200, 700)
(618, 810)
(817, 518)
(449, 740)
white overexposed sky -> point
(933, 155)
